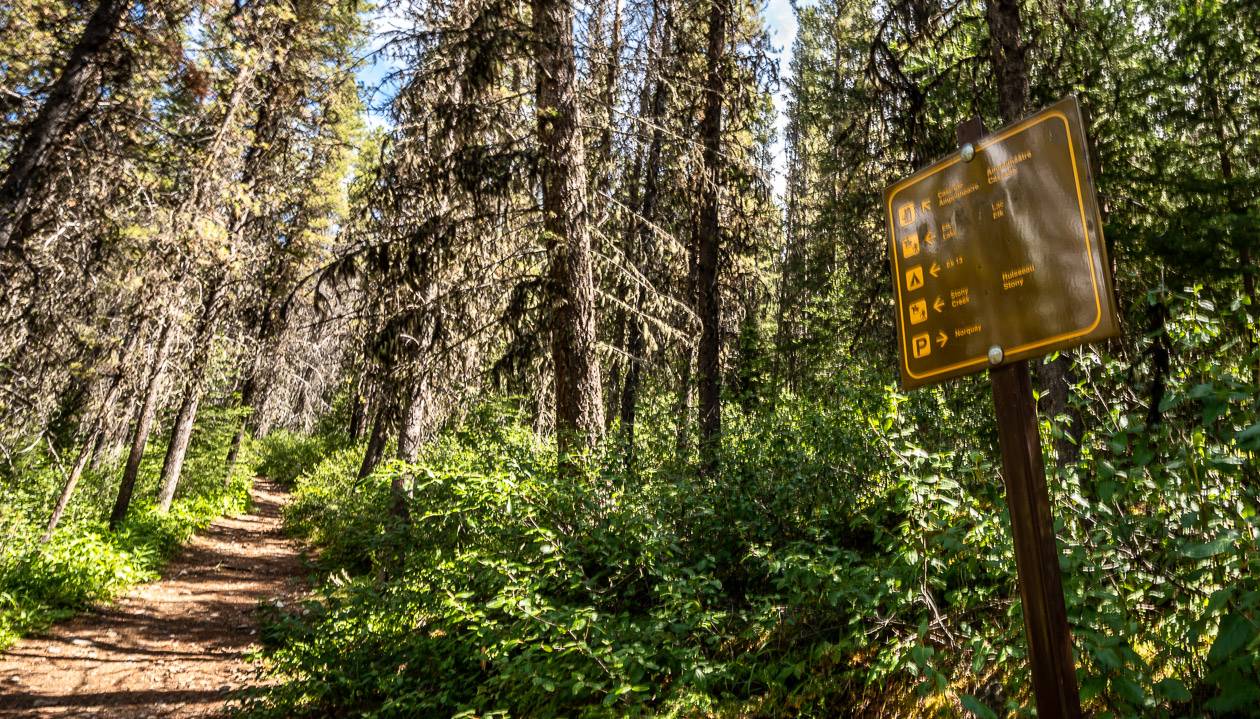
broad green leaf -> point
(1173, 689)
(1235, 631)
(977, 707)
(1209, 549)
(1130, 690)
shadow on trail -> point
(84, 701)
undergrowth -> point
(853, 557)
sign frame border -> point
(911, 379)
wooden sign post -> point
(1036, 553)
(1032, 528)
(998, 257)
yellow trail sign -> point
(997, 251)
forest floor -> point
(175, 648)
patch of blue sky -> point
(780, 19)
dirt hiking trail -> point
(173, 648)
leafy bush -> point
(284, 455)
(852, 557)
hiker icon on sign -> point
(910, 245)
(918, 312)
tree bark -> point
(609, 92)
(630, 390)
(642, 197)
(67, 490)
(646, 231)
(1008, 55)
(709, 250)
(60, 113)
(181, 434)
(579, 409)
(1236, 207)
(682, 407)
(304, 393)
(358, 410)
(144, 424)
(411, 435)
(109, 447)
(92, 438)
(1056, 378)
(604, 179)
(1160, 362)
(411, 428)
(177, 450)
(247, 403)
(376, 442)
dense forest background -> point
(580, 417)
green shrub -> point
(852, 557)
(283, 455)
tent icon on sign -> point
(914, 278)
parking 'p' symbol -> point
(922, 345)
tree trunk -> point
(98, 448)
(619, 364)
(634, 371)
(358, 410)
(411, 435)
(181, 434)
(109, 446)
(262, 422)
(304, 394)
(247, 403)
(1236, 207)
(376, 442)
(411, 427)
(655, 108)
(579, 406)
(93, 438)
(67, 490)
(1008, 56)
(709, 250)
(604, 173)
(609, 99)
(144, 423)
(1056, 378)
(60, 113)
(682, 407)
